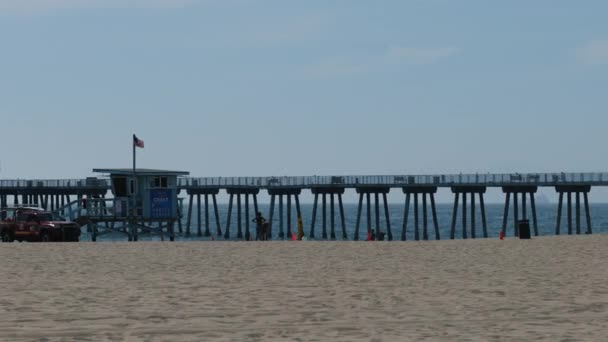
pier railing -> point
(395, 181)
(481, 179)
(55, 183)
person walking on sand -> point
(260, 226)
(300, 228)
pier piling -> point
(324, 192)
(374, 232)
(332, 219)
(568, 190)
(314, 216)
(287, 217)
(473, 191)
(525, 191)
(358, 223)
(424, 192)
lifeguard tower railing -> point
(109, 209)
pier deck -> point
(307, 182)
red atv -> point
(34, 224)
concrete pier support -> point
(374, 232)
(324, 208)
(247, 220)
(518, 192)
(332, 192)
(470, 192)
(195, 196)
(218, 226)
(281, 218)
(239, 215)
(284, 194)
(198, 215)
(180, 215)
(577, 190)
(242, 198)
(359, 207)
(189, 215)
(424, 192)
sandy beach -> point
(552, 288)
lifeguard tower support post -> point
(142, 197)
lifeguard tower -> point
(144, 200)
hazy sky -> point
(225, 88)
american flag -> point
(137, 142)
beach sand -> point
(551, 288)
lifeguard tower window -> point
(159, 182)
(120, 186)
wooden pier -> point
(92, 198)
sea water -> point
(546, 217)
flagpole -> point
(134, 193)
(133, 159)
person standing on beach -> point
(260, 226)
(300, 228)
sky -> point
(315, 87)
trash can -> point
(524, 229)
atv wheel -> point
(45, 237)
(6, 236)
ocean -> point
(546, 215)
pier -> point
(79, 199)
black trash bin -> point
(524, 229)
